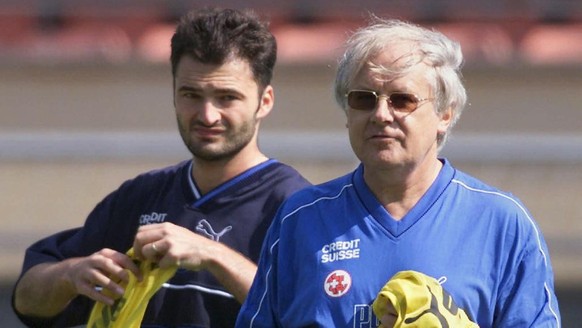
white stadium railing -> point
(300, 145)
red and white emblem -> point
(337, 283)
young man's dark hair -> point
(211, 36)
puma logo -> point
(205, 228)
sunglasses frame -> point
(417, 99)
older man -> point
(332, 247)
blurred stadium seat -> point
(494, 32)
(553, 44)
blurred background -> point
(86, 103)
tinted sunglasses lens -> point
(362, 100)
(403, 102)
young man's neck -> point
(210, 174)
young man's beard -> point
(234, 142)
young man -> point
(207, 215)
(333, 247)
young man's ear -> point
(267, 102)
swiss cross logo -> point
(337, 283)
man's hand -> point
(100, 275)
(46, 289)
(171, 245)
(389, 318)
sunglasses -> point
(399, 101)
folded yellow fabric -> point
(128, 311)
(420, 301)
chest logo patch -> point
(337, 283)
(152, 218)
(206, 229)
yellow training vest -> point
(420, 301)
(128, 311)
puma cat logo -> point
(205, 228)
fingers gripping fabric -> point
(419, 301)
(128, 311)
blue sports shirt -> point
(236, 213)
(332, 247)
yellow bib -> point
(128, 311)
(420, 301)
